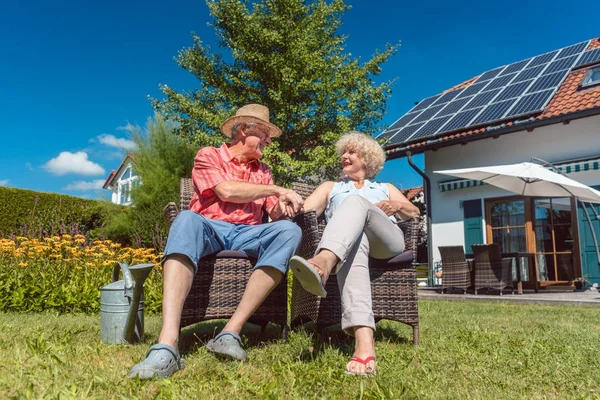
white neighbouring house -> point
(547, 107)
(121, 181)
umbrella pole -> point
(587, 215)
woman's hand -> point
(387, 207)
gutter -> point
(530, 124)
(427, 189)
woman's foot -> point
(363, 360)
(362, 366)
(314, 272)
(324, 262)
(309, 276)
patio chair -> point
(456, 271)
(393, 281)
(491, 270)
(220, 282)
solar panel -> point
(425, 103)
(461, 120)
(429, 113)
(516, 67)
(500, 82)
(507, 92)
(493, 112)
(402, 122)
(548, 81)
(490, 74)
(431, 127)
(559, 65)
(387, 135)
(482, 99)
(543, 59)
(406, 133)
(575, 49)
(454, 106)
(473, 89)
(447, 97)
(589, 57)
(531, 103)
(529, 73)
(513, 91)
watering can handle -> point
(126, 276)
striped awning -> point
(568, 167)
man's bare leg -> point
(261, 283)
(178, 276)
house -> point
(121, 181)
(548, 107)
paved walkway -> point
(544, 296)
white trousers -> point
(358, 229)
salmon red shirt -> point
(215, 165)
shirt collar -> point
(226, 155)
(368, 184)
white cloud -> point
(73, 163)
(120, 143)
(4, 182)
(85, 185)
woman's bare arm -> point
(398, 205)
(317, 201)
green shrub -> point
(29, 213)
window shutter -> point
(473, 217)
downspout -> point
(427, 188)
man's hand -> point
(290, 203)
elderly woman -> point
(361, 217)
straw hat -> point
(250, 113)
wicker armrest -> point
(311, 233)
(169, 213)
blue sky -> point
(74, 73)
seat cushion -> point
(228, 254)
(406, 257)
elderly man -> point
(231, 189)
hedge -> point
(31, 213)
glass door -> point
(553, 229)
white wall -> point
(554, 143)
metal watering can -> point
(122, 305)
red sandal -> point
(363, 362)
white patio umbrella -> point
(528, 179)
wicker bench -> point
(393, 282)
(221, 280)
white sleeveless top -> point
(372, 191)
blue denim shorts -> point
(195, 236)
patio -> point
(549, 296)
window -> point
(127, 182)
(592, 78)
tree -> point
(161, 159)
(286, 55)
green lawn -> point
(468, 350)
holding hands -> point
(290, 203)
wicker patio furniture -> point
(456, 272)
(393, 282)
(491, 270)
(220, 282)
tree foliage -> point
(287, 55)
(161, 159)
